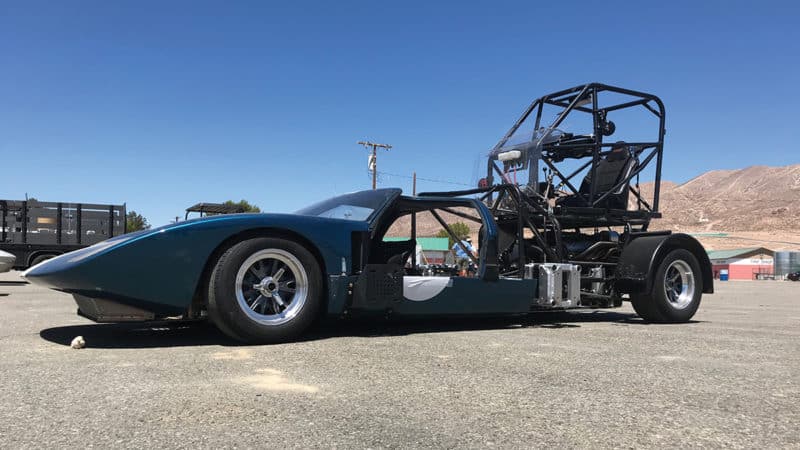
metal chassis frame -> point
(533, 212)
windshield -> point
(360, 206)
(541, 136)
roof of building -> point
(739, 253)
(427, 243)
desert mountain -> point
(755, 199)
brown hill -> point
(754, 206)
(755, 199)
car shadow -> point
(139, 335)
(183, 334)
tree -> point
(136, 222)
(244, 204)
(460, 229)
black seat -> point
(392, 252)
(612, 169)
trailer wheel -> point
(677, 289)
(40, 258)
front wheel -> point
(265, 290)
(677, 289)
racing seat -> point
(392, 252)
(613, 168)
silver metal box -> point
(559, 284)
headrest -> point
(617, 154)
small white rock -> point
(78, 342)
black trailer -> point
(34, 231)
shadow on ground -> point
(179, 334)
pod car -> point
(7, 261)
(542, 244)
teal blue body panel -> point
(463, 296)
(339, 293)
(159, 270)
(467, 296)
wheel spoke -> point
(284, 287)
(259, 274)
(279, 274)
(256, 302)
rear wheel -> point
(677, 289)
(265, 290)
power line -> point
(432, 180)
(373, 159)
(732, 236)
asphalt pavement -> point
(582, 379)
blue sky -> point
(165, 104)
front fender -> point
(159, 270)
(641, 257)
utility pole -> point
(373, 160)
(414, 185)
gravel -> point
(584, 379)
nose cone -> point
(64, 269)
(40, 273)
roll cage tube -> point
(488, 269)
(529, 213)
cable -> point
(424, 179)
(730, 236)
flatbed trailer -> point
(34, 231)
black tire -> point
(231, 289)
(40, 258)
(658, 306)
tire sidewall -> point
(659, 297)
(40, 259)
(224, 307)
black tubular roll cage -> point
(529, 208)
(572, 100)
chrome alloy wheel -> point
(679, 284)
(271, 286)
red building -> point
(742, 263)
